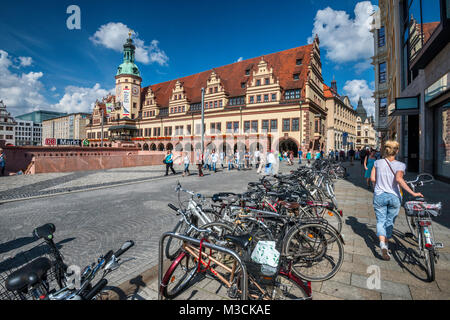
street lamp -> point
(203, 121)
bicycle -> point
(419, 215)
(265, 283)
(33, 281)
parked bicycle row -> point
(286, 229)
(48, 277)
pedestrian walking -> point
(291, 158)
(2, 161)
(168, 160)
(308, 157)
(300, 155)
(199, 159)
(247, 160)
(257, 157)
(237, 160)
(357, 154)
(387, 176)
(351, 155)
(186, 162)
(214, 159)
(222, 158)
(368, 165)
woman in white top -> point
(186, 162)
(387, 176)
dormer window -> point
(266, 81)
(299, 62)
(243, 85)
(296, 76)
(258, 82)
(247, 72)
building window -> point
(266, 98)
(210, 90)
(264, 126)
(258, 82)
(252, 99)
(273, 125)
(381, 37)
(189, 129)
(247, 72)
(286, 124)
(258, 98)
(266, 81)
(382, 72)
(246, 126)
(296, 76)
(243, 85)
(292, 94)
(298, 62)
(274, 96)
(295, 123)
(254, 126)
(229, 127)
(236, 127)
(215, 104)
(216, 89)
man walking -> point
(2, 162)
(300, 155)
(168, 160)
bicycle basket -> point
(18, 261)
(418, 208)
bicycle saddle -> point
(232, 199)
(45, 232)
(289, 205)
(221, 196)
(242, 240)
(28, 275)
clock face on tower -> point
(135, 91)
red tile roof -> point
(232, 75)
(428, 29)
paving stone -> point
(348, 292)
(426, 294)
(387, 287)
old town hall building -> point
(273, 101)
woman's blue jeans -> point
(386, 206)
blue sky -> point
(47, 66)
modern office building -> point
(70, 127)
(28, 133)
(40, 115)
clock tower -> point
(128, 82)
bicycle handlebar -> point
(96, 289)
(126, 246)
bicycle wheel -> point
(427, 256)
(333, 218)
(412, 225)
(178, 276)
(314, 258)
(173, 244)
(288, 288)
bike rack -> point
(244, 283)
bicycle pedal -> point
(439, 245)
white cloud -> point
(345, 39)
(25, 92)
(114, 34)
(21, 92)
(79, 99)
(240, 59)
(355, 89)
(25, 61)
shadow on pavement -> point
(405, 252)
(364, 231)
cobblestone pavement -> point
(90, 223)
(402, 278)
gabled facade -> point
(278, 95)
